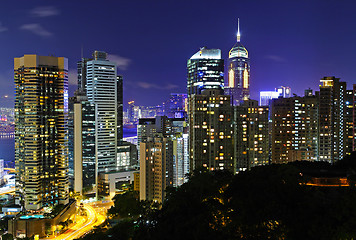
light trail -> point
(95, 217)
(84, 229)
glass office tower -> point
(205, 71)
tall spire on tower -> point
(238, 30)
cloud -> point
(72, 77)
(147, 85)
(44, 11)
(276, 58)
(36, 29)
(121, 62)
(2, 28)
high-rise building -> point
(41, 131)
(175, 130)
(84, 144)
(98, 120)
(238, 72)
(295, 129)
(102, 92)
(332, 133)
(156, 168)
(120, 108)
(251, 135)
(354, 117)
(349, 121)
(82, 74)
(131, 112)
(211, 132)
(205, 71)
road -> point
(7, 190)
(95, 217)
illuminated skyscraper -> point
(251, 135)
(41, 131)
(83, 144)
(332, 119)
(238, 73)
(349, 121)
(295, 129)
(102, 92)
(205, 71)
(156, 168)
(211, 132)
(173, 129)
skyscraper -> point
(205, 71)
(251, 135)
(41, 131)
(332, 110)
(349, 121)
(84, 144)
(295, 129)
(238, 72)
(102, 92)
(120, 108)
(82, 74)
(156, 168)
(211, 132)
(174, 130)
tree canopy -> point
(268, 202)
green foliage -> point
(269, 202)
(126, 205)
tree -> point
(126, 205)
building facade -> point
(211, 132)
(102, 92)
(251, 135)
(205, 71)
(295, 128)
(332, 110)
(175, 130)
(84, 144)
(41, 131)
(156, 168)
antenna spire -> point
(238, 30)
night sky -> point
(290, 43)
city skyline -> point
(290, 43)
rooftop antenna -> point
(238, 30)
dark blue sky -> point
(291, 43)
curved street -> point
(83, 225)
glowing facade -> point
(295, 127)
(238, 73)
(332, 133)
(267, 96)
(41, 131)
(102, 92)
(205, 71)
(210, 128)
(251, 135)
